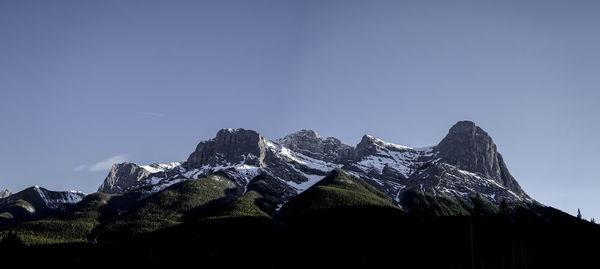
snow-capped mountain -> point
(464, 163)
(36, 198)
(54, 199)
(5, 193)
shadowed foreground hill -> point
(337, 190)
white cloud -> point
(107, 163)
(80, 168)
(103, 165)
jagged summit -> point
(466, 127)
(305, 133)
(470, 148)
(121, 176)
(370, 145)
(311, 144)
(230, 146)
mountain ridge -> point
(466, 162)
(463, 164)
(35, 200)
(244, 197)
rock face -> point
(368, 145)
(470, 148)
(463, 164)
(309, 143)
(230, 146)
(5, 193)
(122, 176)
(385, 165)
(244, 154)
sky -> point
(84, 84)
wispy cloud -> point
(158, 115)
(103, 165)
(80, 168)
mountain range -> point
(241, 184)
(464, 164)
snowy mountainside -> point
(387, 166)
(37, 198)
(465, 163)
(296, 170)
(54, 199)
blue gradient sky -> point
(87, 83)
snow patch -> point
(159, 167)
(301, 187)
(387, 144)
(397, 198)
(404, 161)
(161, 187)
(291, 156)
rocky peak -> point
(311, 144)
(370, 145)
(303, 139)
(470, 148)
(467, 128)
(122, 176)
(230, 146)
(306, 133)
(5, 193)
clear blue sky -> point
(83, 82)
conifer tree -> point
(504, 207)
(476, 205)
(579, 213)
(12, 239)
